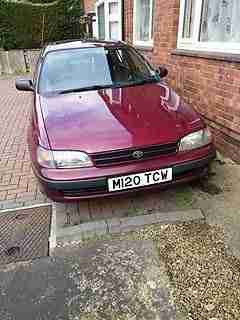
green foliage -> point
(30, 24)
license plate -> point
(140, 180)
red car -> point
(104, 122)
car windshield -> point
(93, 68)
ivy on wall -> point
(25, 24)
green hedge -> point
(30, 24)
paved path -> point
(119, 279)
(18, 185)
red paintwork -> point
(110, 119)
(96, 121)
(135, 167)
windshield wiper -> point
(146, 80)
(99, 87)
(95, 87)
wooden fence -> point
(18, 61)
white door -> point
(109, 20)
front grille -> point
(84, 191)
(86, 187)
(122, 156)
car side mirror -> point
(24, 84)
(162, 71)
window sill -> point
(228, 57)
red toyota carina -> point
(103, 122)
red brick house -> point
(199, 42)
(89, 6)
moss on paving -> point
(184, 197)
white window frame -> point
(109, 18)
(137, 42)
(193, 43)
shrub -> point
(30, 24)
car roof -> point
(78, 44)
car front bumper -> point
(64, 190)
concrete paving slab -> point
(109, 280)
(118, 225)
(82, 231)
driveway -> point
(18, 185)
(195, 256)
(218, 199)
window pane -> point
(189, 18)
(152, 13)
(113, 30)
(113, 8)
(101, 21)
(143, 20)
(220, 21)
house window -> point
(114, 21)
(143, 22)
(109, 19)
(210, 25)
(101, 21)
(189, 12)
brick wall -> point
(89, 6)
(211, 86)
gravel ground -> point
(204, 276)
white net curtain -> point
(189, 18)
(220, 21)
(143, 19)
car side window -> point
(119, 66)
(138, 64)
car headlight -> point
(62, 159)
(196, 140)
